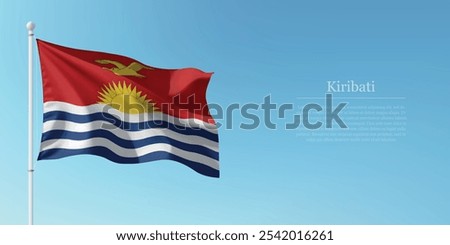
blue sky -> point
(287, 50)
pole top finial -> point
(30, 26)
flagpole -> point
(30, 27)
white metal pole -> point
(30, 27)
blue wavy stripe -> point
(101, 116)
(130, 144)
(110, 155)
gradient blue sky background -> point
(288, 49)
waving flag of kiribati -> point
(123, 110)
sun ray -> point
(125, 98)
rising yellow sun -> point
(125, 99)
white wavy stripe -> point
(124, 152)
(129, 135)
(132, 118)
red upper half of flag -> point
(78, 76)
